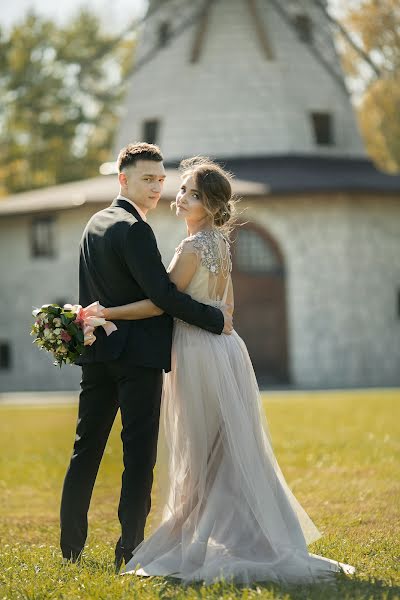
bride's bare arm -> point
(182, 269)
(181, 272)
(143, 309)
(230, 301)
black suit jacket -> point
(120, 263)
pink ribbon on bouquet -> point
(90, 318)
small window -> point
(323, 129)
(164, 33)
(5, 356)
(43, 237)
(303, 26)
(150, 131)
(253, 254)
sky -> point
(122, 11)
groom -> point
(120, 263)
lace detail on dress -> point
(208, 246)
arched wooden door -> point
(260, 301)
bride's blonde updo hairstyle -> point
(214, 186)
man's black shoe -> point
(119, 559)
(121, 555)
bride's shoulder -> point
(197, 242)
(206, 244)
(186, 245)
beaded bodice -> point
(211, 279)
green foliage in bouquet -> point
(59, 330)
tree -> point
(61, 89)
(376, 25)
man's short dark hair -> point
(129, 155)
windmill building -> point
(257, 85)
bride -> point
(229, 513)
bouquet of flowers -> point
(65, 331)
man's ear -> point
(123, 180)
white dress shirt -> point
(141, 213)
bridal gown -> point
(229, 513)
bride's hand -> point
(88, 335)
(228, 319)
(93, 316)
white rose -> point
(72, 307)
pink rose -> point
(65, 336)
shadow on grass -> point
(344, 588)
(163, 588)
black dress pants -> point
(105, 387)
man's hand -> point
(228, 319)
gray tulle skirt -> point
(228, 512)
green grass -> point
(338, 450)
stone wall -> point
(28, 282)
(343, 285)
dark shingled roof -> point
(99, 190)
(297, 174)
(255, 177)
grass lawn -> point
(339, 451)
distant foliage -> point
(376, 26)
(61, 88)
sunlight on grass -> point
(338, 450)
